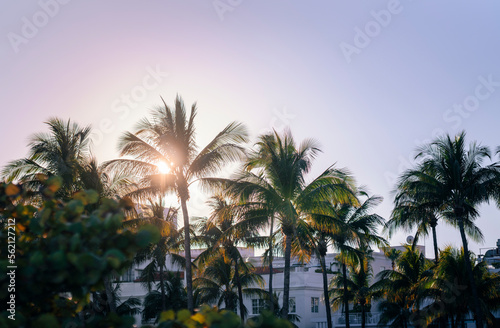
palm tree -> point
(350, 228)
(107, 185)
(65, 152)
(156, 254)
(101, 304)
(358, 285)
(392, 254)
(404, 289)
(221, 233)
(275, 176)
(61, 152)
(408, 214)
(168, 139)
(156, 302)
(452, 180)
(452, 296)
(216, 283)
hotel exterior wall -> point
(305, 283)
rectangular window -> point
(314, 304)
(292, 308)
(258, 305)
(128, 276)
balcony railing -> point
(371, 320)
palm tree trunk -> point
(468, 264)
(346, 299)
(325, 292)
(363, 316)
(271, 301)
(187, 255)
(434, 238)
(162, 289)
(109, 294)
(240, 292)
(286, 280)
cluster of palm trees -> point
(269, 202)
(448, 184)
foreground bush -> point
(63, 252)
(212, 318)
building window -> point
(258, 305)
(314, 304)
(128, 276)
(292, 308)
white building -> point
(492, 257)
(306, 288)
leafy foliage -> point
(212, 317)
(63, 254)
(176, 298)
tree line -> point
(302, 216)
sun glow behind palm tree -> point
(163, 167)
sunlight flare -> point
(163, 167)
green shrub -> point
(212, 318)
(62, 253)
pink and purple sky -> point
(370, 80)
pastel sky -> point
(370, 80)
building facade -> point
(306, 288)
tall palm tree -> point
(408, 214)
(216, 283)
(222, 233)
(404, 289)
(412, 211)
(65, 152)
(156, 254)
(453, 298)
(351, 228)
(155, 302)
(358, 285)
(275, 175)
(61, 152)
(452, 179)
(168, 139)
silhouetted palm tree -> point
(168, 139)
(222, 232)
(170, 244)
(453, 180)
(404, 289)
(453, 300)
(275, 175)
(392, 254)
(61, 152)
(216, 283)
(360, 291)
(352, 228)
(156, 302)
